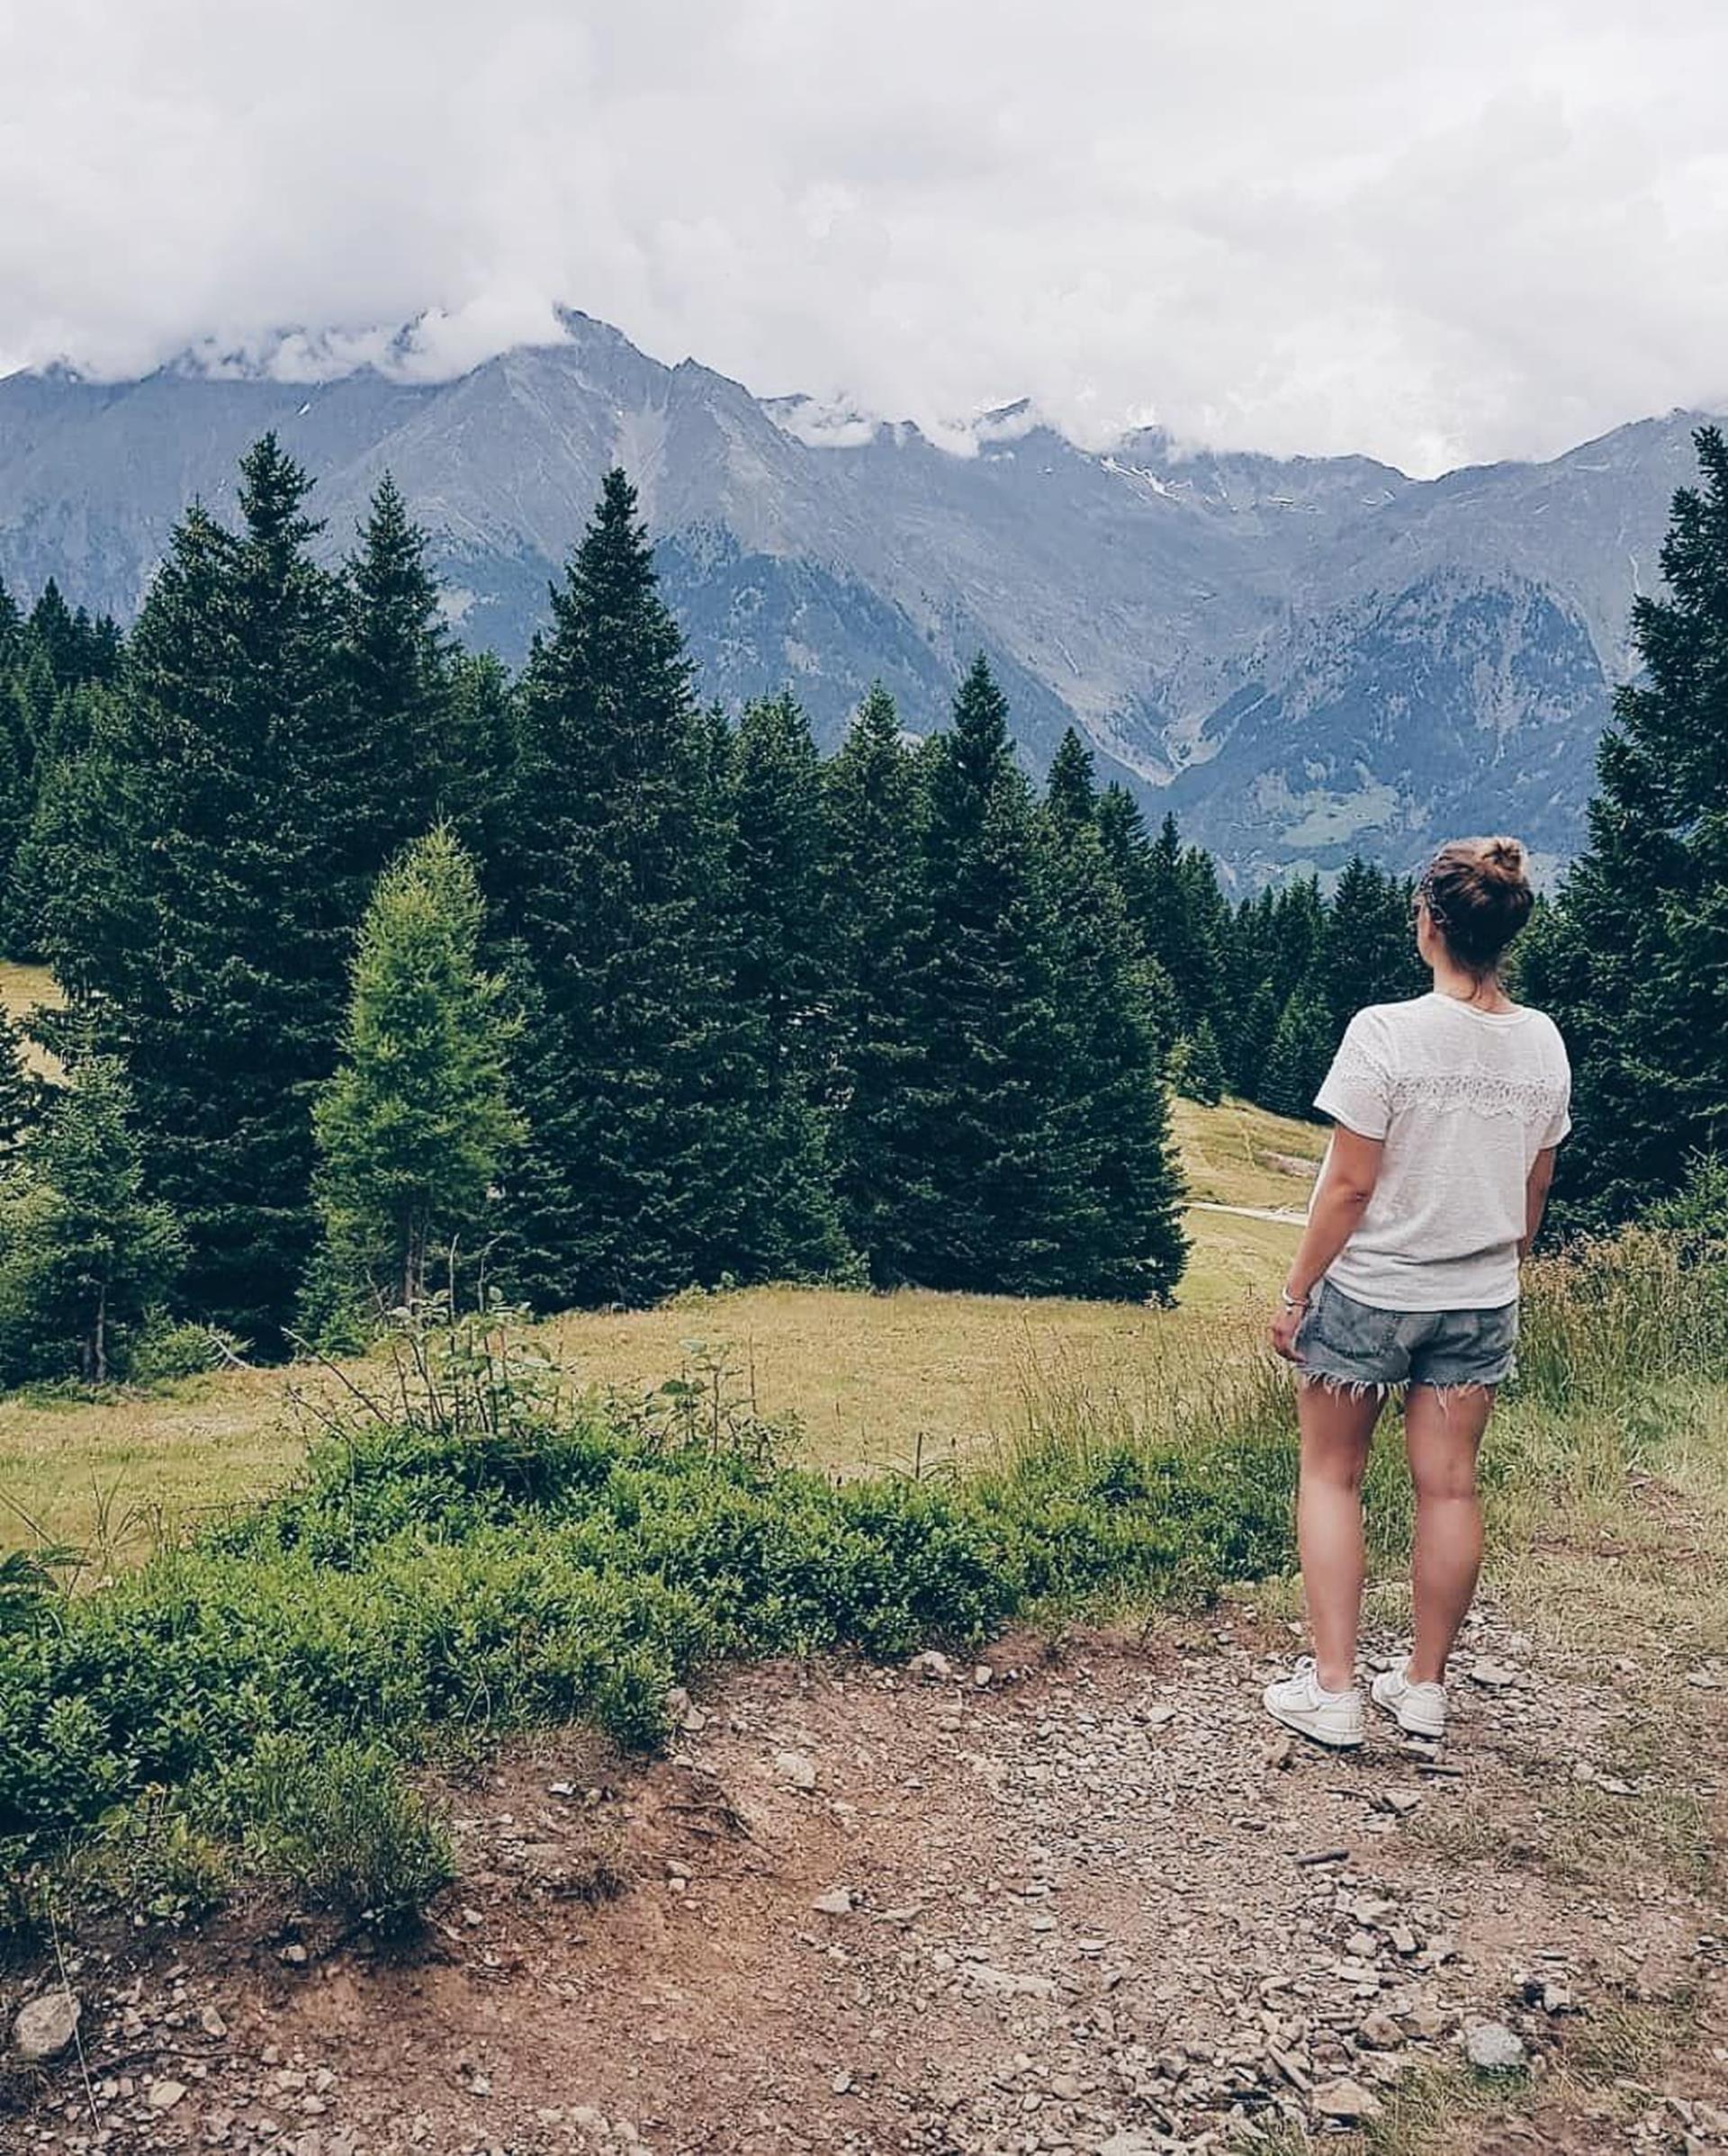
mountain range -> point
(1303, 657)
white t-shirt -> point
(1464, 1100)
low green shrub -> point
(418, 1580)
(167, 1350)
(342, 1824)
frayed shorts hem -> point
(1388, 1389)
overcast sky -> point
(1435, 233)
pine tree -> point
(396, 668)
(1072, 797)
(1296, 1062)
(56, 634)
(875, 919)
(27, 711)
(15, 807)
(63, 829)
(20, 1090)
(1296, 925)
(1173, 894)
(773, 780)
(1128, 848)
(477, 786)
(83, 1254)
(207, 924)
(997, 1176)
(1633, 962)
(661, 1149)
(1367, 949)
(1198, 1068)
(1111, 1118)
(1252, 1042)
(414, 1124)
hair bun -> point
(1478, 897)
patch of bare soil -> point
(1076, 1898)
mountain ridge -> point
(1301, 655)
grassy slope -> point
(1239, 1154)
(874, 1379)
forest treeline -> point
(371, 950)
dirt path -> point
(1286, 1216)
(1071, 1900)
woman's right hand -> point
(1287, 1321)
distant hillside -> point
(1305, 658)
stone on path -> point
(1346, 2101)
(1493, 2048)
(798, 1769)
(837, 1902)
(165, 2095)
(936, 1668)
(46, 2025)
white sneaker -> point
(1418, 1710)
(1302, 1702)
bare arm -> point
(1340, 1198)
(1535, 1196)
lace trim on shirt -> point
(1530, 1099)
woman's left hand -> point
(1285, 1324)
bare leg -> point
(1337, 1428)
(1442, 1431)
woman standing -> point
(1447, 1111)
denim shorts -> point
(1344, 1343)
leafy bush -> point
(341, 1822)
(1697, 1212)
(435, 1573)
(28, 1584)
(167, 1350)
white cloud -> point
(1485, 230)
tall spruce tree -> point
(414, 1125)
(64, 829)
(478, 781)
(85, 1254)
(663, 1150)
(783, 969)
(1367, 949)
(1633, 962)
(1197, 1068)
(15, 809)
(1251, 1041)
(1128, 848)
(396, 676)
(206, 932)
(57, 632)
(1174, 895)
(21, 1092)
(1297, 1059)
(1071, 796)
(1296, 924)
(875, 912)
(998, 1171)
(1123, 1237)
